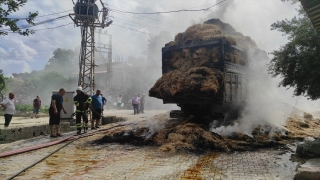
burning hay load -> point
(192, 65)
(190, 69)
(171, 135)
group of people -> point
(118, 103)
(138, 103)
(8, 106)
(83, 103)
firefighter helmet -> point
(79, 88)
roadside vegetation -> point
(26, 108)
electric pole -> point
(2, 85)
(105, 51)
(87, 16)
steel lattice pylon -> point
(109, 66)
(87, 16)
(105, 51)
(86, 61)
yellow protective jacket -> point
(82, 102)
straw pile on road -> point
(187, 136)
(192, 135)
(300, 128)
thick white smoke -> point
(266, 106)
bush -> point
(44, 109)
(25, 108)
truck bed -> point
(232, 88)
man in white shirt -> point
(8, 108)
(119, 102)
(109, 104)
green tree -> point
(298, 61)
(5, 21)
(2, 81)
(64, 61)
(28, 86)
(2, 84)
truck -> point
(229, 101)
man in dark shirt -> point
(36, 107)
(82, 102)
(56, 106)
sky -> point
(251, 17)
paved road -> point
(84, 160)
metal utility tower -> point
(2, 85)
(106, 53)
(88, 16)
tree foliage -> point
(63, 61)
(5, 21)
(2, 82)
(29, 85)
(298, 62)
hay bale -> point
(194, 81)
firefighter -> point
(82, 102)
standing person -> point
(56, 106)
(9, 109)
(135, 104)
(82, 102)
(139, 103)
(142, 102)
(119, 102)
(96, 107)
(36, 107)
(109, 104)
(104, 101)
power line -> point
(72, 23)
(42, 15)
(52, 27)
(133, 29)
(146, 26)
(39, 23)
(44, 22)
(166, 12)
(148, 18)
(55, 13)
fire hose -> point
(71, 139)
